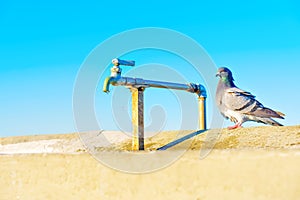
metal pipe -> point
(137, 86)
(202, 113)
(161, 84)
(141, 83)
(138, 82)
(137, 118)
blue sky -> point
(43, 44)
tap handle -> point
(118, 62)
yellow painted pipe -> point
(202, 113)
(137, 95)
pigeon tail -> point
(270, 121)
(267, 113)
(280, 113)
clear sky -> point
(43, 44)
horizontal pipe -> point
(161, 84)
(138, 82)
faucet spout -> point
(106, 84)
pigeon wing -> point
(240, 100)
(245, 103)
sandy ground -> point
(248, 163)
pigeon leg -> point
(237, 125)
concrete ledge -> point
(252, 163)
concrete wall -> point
(224, 174)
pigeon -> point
(240, 106)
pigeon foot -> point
(234, 127)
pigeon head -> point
(225, 74)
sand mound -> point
(244, 138)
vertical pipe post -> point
(137, 118)
(202, 113)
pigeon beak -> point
(218, 75)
